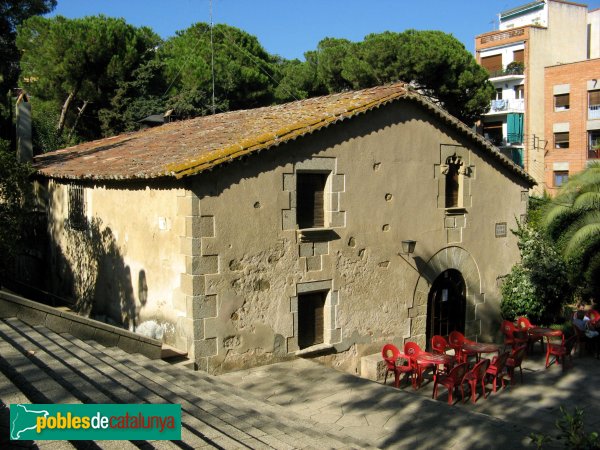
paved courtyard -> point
(404, 418)
(298, 404)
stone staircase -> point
(38, 365)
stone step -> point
(47, 378)
(58, 368)
(232, 403)
(122, 384)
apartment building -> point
(530, 38)
(572, 93)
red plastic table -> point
(480, 347)
(436, 359)
(541, 331)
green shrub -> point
(538, 286)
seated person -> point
(582, 322)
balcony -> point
(593, 112)
(513, 70)
(503, 37)
(507, 106)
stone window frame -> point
(332, 332)
(334, 187)
(458, 155)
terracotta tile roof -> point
(184, 148)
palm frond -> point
(588, 201)
(556, 212)
(587, 234)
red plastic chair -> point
(560, 350)
(516, 360)
(524, 324)
(391, 355)
(496, 369)
(594, 316)
(412, 349)
(451, 381)
(508, 330)
(440, 345)
(476, 376)
(456, 340)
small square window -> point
(560, 177)
(561, 140)
(310, 199)
(561, 102)
(593, 105)
(519, 91)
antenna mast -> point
(212, 58)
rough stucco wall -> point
(386, 184)
(126, 265)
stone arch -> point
(447, 258)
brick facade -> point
(576, 79)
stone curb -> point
(33, 313)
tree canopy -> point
(12, 14)
(99, 76)
(573, 222)
(243, 70)
(434, 62)
(77, 65)
(13, 191)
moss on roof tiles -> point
(185, 148)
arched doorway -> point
(446, 304)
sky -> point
(291, 27)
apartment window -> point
(492, 131)
(594, 105)
(498, 93)
(561, 102)
(594, 144)
(519, 56)
(519, 91)
(560, 177)
(77, 217)
(311, 318)
(493, 64)
(561, 140)
(310, 199)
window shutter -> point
(310, 200)
(519, 56)
(561, 140)
(561, 101)
(492, 63)
(514, 122)
(311, 322)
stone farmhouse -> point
(256, 236)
